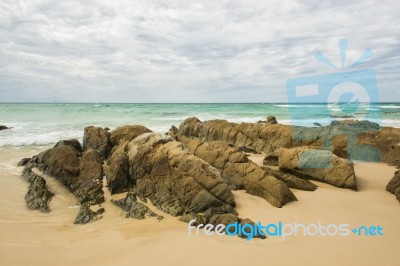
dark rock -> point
(271, 120)
(394, 185)
(71, 142)
(239, 172)
(135, 209)
(291, 180)
(247, 150)
(24, 161)
(174, 129)
(97, 138)
(321, 165)
(86, 215)
(4, 127)
(271, 159)
(317, 124)
(127, 133)
(38, 196)
(117, 170)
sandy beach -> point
(33, 238)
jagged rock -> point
(364, 140)
(291, 180)
(135, 209)
(174, 180)
(38, 196)
(271, 159)
(117, 170)
(239, 172)
(394, 185)
(98, 139)
(127, 133)
(24, 161)
(174, 129)
(72, 142)
(81, 176)
(89, 181)
(321, 165)
(4, 127)
(271, 120)
(86, 215)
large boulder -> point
(71, 142)
(394, 185)
(117, 170)
(127, 133)
(97, 138)
(174, 180)
(320, 165)
(239, 171)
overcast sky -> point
(187, 51)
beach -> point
(33, 238)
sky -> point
(188, 51)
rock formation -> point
(394, 185)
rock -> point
(271, 159)
(135, 209)
(82, 176)
(24, 161)
(239, 172)
(38, 196)
(71, 142)
(271, 120)
(394, 185)
(174, 180)
(117, 170)
(245, 149)
(4, 127)
(89, 181)
(97, 138)
(174, 129)
(363, 140)
(86, 215)
(321, 165)
(317, 124)
(127, 133)
(291, 180)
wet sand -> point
(34, 238)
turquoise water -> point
(44, 124)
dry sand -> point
(33, 238)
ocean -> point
(35, 124)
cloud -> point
(182, 51)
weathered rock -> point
(89, 182)
(394, 185)
(135, 209)
(291, 180)
(86, 215)
(97, 138)
(174, 180)
(71, 142)
(364, 140)
(81, 176)
(271, 159)
(38, 196)
(24, 161)
(271, 120)
(174, 129)
(321, 165)
(127, 133)
(239, 172)
(117, 170)
(247, 150)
